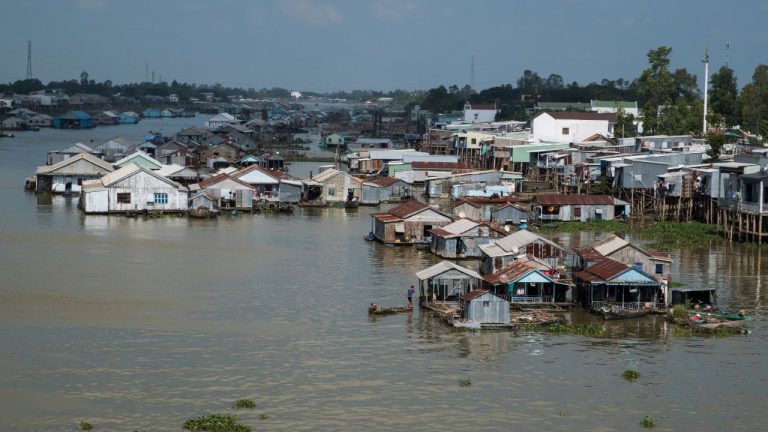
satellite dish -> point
(462, 214)
(507, 228)
(503, 278)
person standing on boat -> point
(410, 296)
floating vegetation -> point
(648, 422)
(688, 331)
(631, 375)
(464, 382)
(244, 404)
(215, 423)
(667, 235)
(680, 311)
(577, 329)
(263, 417)
(84, 426)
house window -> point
(161, 198)
(566, 131)
(486, 304)
(577, 212)
(474, 140)
(659, 268)
(331, 191)
(124, 198)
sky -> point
(329, 45)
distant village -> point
(469, 187)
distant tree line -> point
(670, 101)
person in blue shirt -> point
(410, 296)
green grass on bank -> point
(661, 235)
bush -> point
(215, 423)
(244, 404)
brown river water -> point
(144, 323)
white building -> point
(133, 188)
(173, 98)
(219, 120)
(479, 113)
(568, 127)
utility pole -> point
(29, 60)
(146, 71)
(727, 53)
(472, 72)
(706, 86)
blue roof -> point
(75, 115)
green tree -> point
(656, 87)
(753, 100)
(716, 141)
(723, 94)
(625, 124)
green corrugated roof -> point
(614, 104)
(562, 105)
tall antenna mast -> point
(472, 72)
(146, 71)
(727, 53)
(705, 60)
(29, 60)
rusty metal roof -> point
(385, 181)
(475, 294)
(510, 273)
(548, 199)
(408, 208)
(606, 269)
(385, 217)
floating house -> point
(610, 283)
(141, 159)
(481, 307)
(385, 189)
(113, 150)
(74, 120)
(528, 281)
(201, 200)
(193, 133)
(462, 239)
(409, 223)
(152, 113)
(133, 189)
(581, 208)
(510, 214)
(446, 282)
(503, 252)
(468, 209)
(179, 173)
(107, 118)
(614, 247)
(332, 186)
(57, 156)
(129, 117)
(69, 174)
(39, 120)
(219, 120)
(265, 182)
(289, 191)
(233, 193)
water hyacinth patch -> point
(244, 404)
(215, 423)
(631, 375)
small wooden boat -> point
(619, 313)
(374, 309)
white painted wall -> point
(546, 128)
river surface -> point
(144, 323)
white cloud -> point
(392, 10)
(312, 12)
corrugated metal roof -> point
(408, 208)
(493, 250)
(516, 242)
(606, 269)
(385, 217)
(441, 165)
(460, 226)
(474, 294)
(443, 267)
(222, 177)
(86, 156)
(385, 181)
(610, 245)
(510, 273)
(139, 154)
(573, 199)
